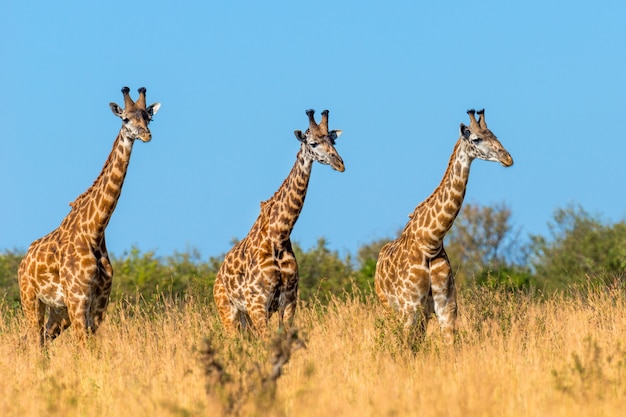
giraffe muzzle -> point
(336, 163)
(145, 137)
(506, 160)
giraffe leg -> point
(415, 328)
(58, 321)
(289, 299)
(444, 295)
(78, 312)
(414, 299)
(33, 308)
(79, 299)
(101, 292)
(257, 312)
(229, 314)
(416, 317)
(288, 314)
(34, 312)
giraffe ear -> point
(334, 134)
(153, 108)
(117, 110)
(299, 135)
(465, 132)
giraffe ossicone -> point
(259, 275)
(68, 271)
(413, 274)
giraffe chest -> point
(262, 272)
(52, 293)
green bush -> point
(9, 263)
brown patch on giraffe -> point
(69, 267)
(266, 281)
(404, 278)
(424, 219)
(449, 208)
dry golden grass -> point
(515, 356)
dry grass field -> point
(515, 356)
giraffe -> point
(259, 275)
(68, 271)
(413, 274)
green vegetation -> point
(582, 249)
(485, 249)
(9, 262)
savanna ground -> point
(515, 355)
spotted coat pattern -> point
(413, 273)
(68, 271)
(259, 275)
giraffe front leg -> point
(78, 312)
(78, 302)
(444, 295)
(259, 317)
(288, 300)
(101, 292)
(413, 296)
(416, 314)
(415, 324)
(78, 305)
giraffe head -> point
(135, 115)
(481, 142)
(319, 142)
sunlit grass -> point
(514, 355)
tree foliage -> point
(322, 271)
(484, 248)
(9, 262)
(144, 273)
(582, 248)
(367, 256)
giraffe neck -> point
(92, 210)
(286, 203)
(432, 219)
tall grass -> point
(515, 355)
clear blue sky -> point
(235, 78)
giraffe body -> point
(68, 271)
(259, 275)
(413, 273)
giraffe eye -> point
(476, 141)
(125, 120)
(314, 145)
